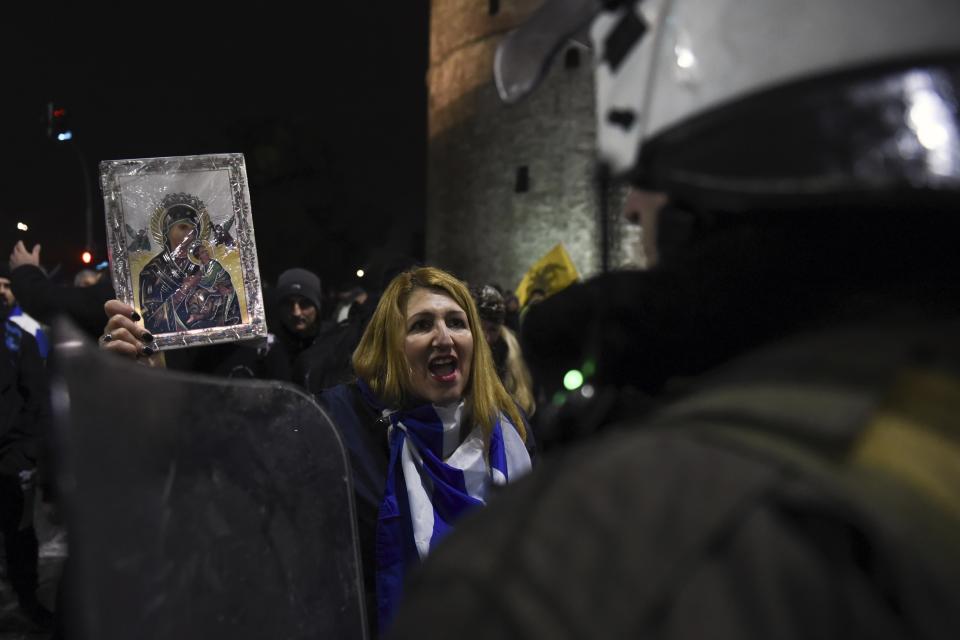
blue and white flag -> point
(432, 480)
(32, 327)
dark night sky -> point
(328, 108)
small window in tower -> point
(571, 59)
(522, 184)
(494, 7)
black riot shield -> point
(201, 507)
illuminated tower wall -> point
(507, 183)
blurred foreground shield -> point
(201, 507)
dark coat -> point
(767, 505)
(23, 399)
(365, 439)
(45, 300)
(805, 483)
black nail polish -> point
(146, 336)
(135, 316)
(148, 350)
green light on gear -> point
(572, 380)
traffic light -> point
(58, 127)
(86, 257)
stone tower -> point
(507, 183)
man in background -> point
(298, 301)
(21, 318)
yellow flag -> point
(551, 273)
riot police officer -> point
(807, 484)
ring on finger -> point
(105, 338)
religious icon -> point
(182, 287)
(173, 257)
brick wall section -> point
(477, 226)
(455, 23)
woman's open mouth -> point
(443, 368)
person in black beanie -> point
(328, 361)
(298, 300)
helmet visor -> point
(525, 54)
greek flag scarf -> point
(432, 479)
(32, 327)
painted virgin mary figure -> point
(176, 293)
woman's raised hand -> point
(123, 335)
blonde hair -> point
(516, 377)
(381, 362)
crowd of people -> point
(765, 442)
(348, 349)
